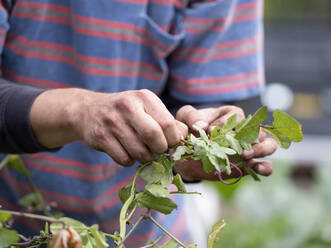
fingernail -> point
(248, 154)
(201, 124)
(260, 169)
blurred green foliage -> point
(277, 212)
(279, 10)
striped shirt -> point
(200, 51)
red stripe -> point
(45, 6)
(70, 173)
(43, 18)
(215, 90)
(206, 20)
(87, 70)
(72, 163)
(210, 80)
(33, 81)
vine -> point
(220, 153)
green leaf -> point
(221, 140)
(157, 190)
(202, 133)
(234, 143)
(215, 234)
(246, 145)
(250, 131)
(178, 182)
(180, 151)
(14, 162)
(207, 165)
(75, 224)
(287, 125)
(161, 204)
(243, 123)
(4, 217)
(230, 124)
(153, 172)
(169, 244)
(7, 237)
(220, 151)
(192, 246)
(281, 139)
(4, 162)
(34, 200)
(216, 131)
(125, 192)
(213, 159)
(99, 237)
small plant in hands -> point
(219, 152)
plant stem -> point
(149, 216)
(132, 229)
(4, 162)
(187, 193)
(32, 216)
(186, 142)
(266, 126)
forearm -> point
(54, 116)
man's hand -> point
(209, 118)
(128, 126)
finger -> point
(262, 135)
(267, 147)
(133, 145)
(116, 151)
(149, 131)
(183, 129)
(261, 167)
(225, 113)
(157, 110)
(192, 116)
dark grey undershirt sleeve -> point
(16, 135)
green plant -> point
(212, 149)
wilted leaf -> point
(157, 190)
(215, 234)
(161, 204)
(178, 182)
(287, 125)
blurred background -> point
(292, 208)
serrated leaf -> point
(161, 204)
(234, 143)
(157, 190)
(230, 124)
(250, 132)
(152, 173)
(169, 244)
(213, 159)
(202, 133)
(287, 125)
(221, 140)
(180, 151)
(178, 182)
(215, 234)
(207, 165)
(281, 139)
(220, 151)
(7, 237)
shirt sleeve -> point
(220, 58)
(16, 134)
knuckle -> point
(125, 106)
(183, 111)
(168, 124)
(145, 93)
(150, 134)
